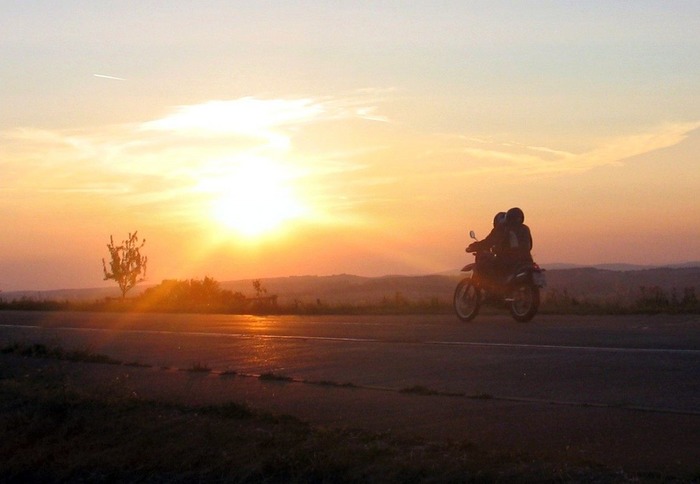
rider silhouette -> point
(490, 246)
(517, 241)
(507, 246)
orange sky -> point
(369, 146)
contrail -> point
(110, 77)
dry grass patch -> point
(53, 430)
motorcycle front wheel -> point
(467, 300)
(524, 301)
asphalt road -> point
(617, 389)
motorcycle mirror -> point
(472, 234)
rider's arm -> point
(486, 243)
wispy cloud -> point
(483, 155)
(164, 161)
(342, 152)
(114, 78)
(250, 116)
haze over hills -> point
(584, 282)
(599, 282)
(619, 266)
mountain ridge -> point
(578, 281)
(620, 266)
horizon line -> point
(559, 266)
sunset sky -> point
(253, 139)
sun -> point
(255, 197)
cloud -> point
(619, 149)
(344, 154)
(255, 116)
(487, 156)
(249, 116)
(114, 78)
(162, 163)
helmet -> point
(499, 219)
(515, 216)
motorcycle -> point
(519, 289)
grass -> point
(646, 300)
(329, 383)
(199, 368)
(43, 351)
(275, 377)
(425, 391)
(54, 430)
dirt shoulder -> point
(623, 441)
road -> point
(576, 380)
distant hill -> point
(346, 288)
(579, 282)
(603, 284)
(619, 267)
(587, 282)
(88, 294)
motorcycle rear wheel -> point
(524, 301)
(467, 300)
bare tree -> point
(259, 289)
(127, 266)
